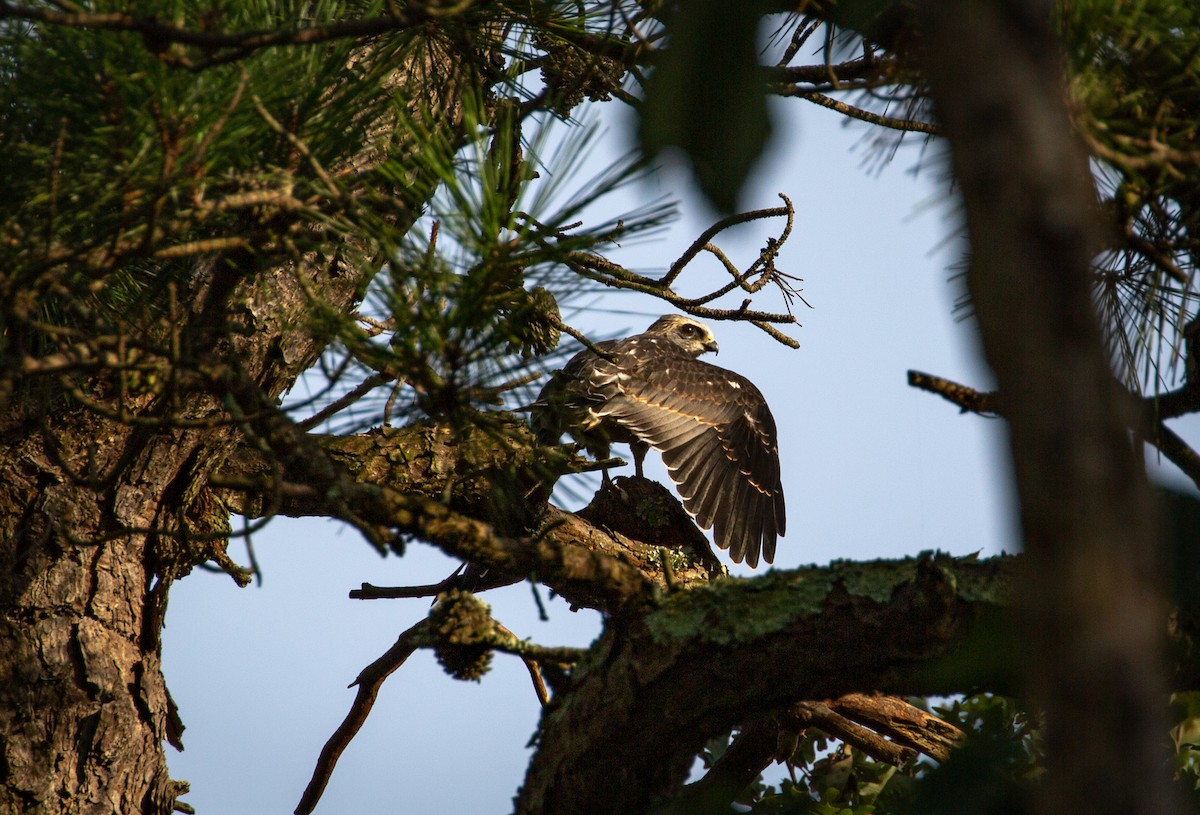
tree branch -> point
(586, 565)
(370, 680)
(458, 471)
(901, 722)
(709, 658)
(1091, 597)
(224, 46)
(1153, 410)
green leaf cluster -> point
(471, 300)
(1134, 73)
(123, 170)
(707, 96)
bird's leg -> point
(600, 452)
(639, 450)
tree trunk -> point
(1091, 592)
(99, 515)
(83, 705)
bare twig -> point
(470, 580)
(908, 125)
(539, 683)
(968, 399)
(1154, 410)
(369, 681)
(720, 226)
(366, 386)
(1177, 451)
(864, 70)
(759, 274)
(608, 273)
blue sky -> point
(871, 467)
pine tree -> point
(205, 203)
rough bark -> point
(498, 475)
(99, 519)
(99, 515)
(1094, 610)
(655, 687)
(83, 707)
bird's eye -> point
(689, 330)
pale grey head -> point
(690, 335)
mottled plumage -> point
(713, 427)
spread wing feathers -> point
(716, 435)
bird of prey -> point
(713, 427)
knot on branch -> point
(646, 511)
(461, 622)
(933, 591)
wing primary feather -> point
(713, 427)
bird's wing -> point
(717, 438)
(565, 401)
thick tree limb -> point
(457, 474)
(1093, 606)
(585, 575)
(655, 688)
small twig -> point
(371, 592)
(909, 125)
(720, 226)
(1154, 410)
(866, 69)
(582, 338)
(1177, 451)
(470, 581)
(369, 680)
(507, 642)
(251, 555)
(204, 246)
(295, 141)
(366, 386)
(594, 267)
(537, 601)
(539, 683)
(376, 327)
(799, 37)
(532, 664)
(968, 399)
(776, 334)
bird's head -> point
(691, 336)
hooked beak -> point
(711, 345)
